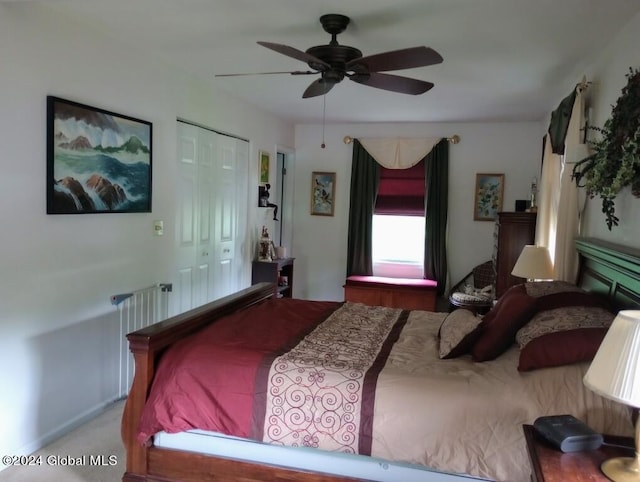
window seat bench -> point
(407, 293)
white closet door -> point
(212, 216)
(205, 251)
(244, 253)
(186, 217)
(195, 242)
(231, 215)
(226, 217)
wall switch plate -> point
(158, 228)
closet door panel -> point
(225, 215)
(186, 218)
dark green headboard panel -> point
(611, 270)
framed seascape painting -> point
(97, 161)
(323, 187)
(488, 196)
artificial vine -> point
(615, 161)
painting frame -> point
(489, 196)
(98, 161)
(264, 159)
(323, 192)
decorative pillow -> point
(458, 332)
(564, 319)
(561, 348)
(499, 327)
(542, 288)
(570, 298)
(562, 335)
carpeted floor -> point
(76, 457)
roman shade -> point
(401, 191)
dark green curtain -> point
(436, 208)
(365, 175)
(560, 123)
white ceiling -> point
(503, 59)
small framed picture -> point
(264, 167)
(488, 196)
(323, 186)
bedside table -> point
(551, 465)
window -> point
(398, 223)
(398, 246)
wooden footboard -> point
(149, 463)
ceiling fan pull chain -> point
(324, 111)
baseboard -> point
(64, 429)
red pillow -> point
(561, 348)
(499, 327)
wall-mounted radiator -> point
(136, 310)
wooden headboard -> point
(611, 270)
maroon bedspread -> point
(290, 372)
(207, 381)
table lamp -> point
(614, 373)
(533, 263)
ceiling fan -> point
(334, 62)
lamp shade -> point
(614, 372)
(534, 262)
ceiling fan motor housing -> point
(334, 54)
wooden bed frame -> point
(609, 269)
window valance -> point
(398, 152)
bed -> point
(463, 423)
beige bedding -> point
(473, 412)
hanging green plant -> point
(615, 161)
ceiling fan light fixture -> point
(332, 76)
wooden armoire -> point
(512, 232)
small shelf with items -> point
(279, 272)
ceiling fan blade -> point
(397, 60)
(394, 83)
(319, 87)
(297, 54)
(295, 72)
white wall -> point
(57, 336)
(320, 242)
